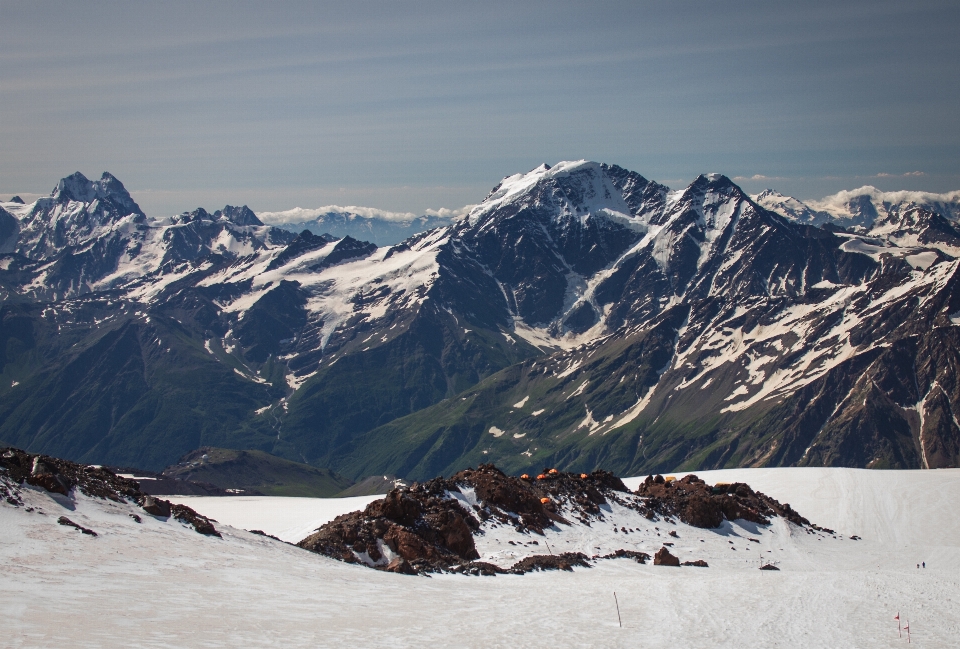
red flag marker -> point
(897, 618)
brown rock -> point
(407, 544)
(45, 477)
(200, 523)
(664, 558)
(156, 506)
(401, 566)
(63, 520)
(563, 561)
(639, 557)
(697, 503)
(478, 568)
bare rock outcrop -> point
(431, 526)
(696, 503)
(62, 476)
(664, 558)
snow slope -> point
(159, 584)
(290, 519)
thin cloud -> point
(757, 177)
(909, 174)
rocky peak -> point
(791, 208)
(573, 190)
(242, 215)
(78, 210)
(917, 226)
(76, 187)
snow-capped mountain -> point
(860, 207)
(90, 236)
(367, 224)
(581, 315)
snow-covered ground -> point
(161, 584)
(290, 519)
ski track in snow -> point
(159, 584)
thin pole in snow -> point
(619, 621)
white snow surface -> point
(160, 584)
(290, 519)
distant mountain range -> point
(579, 316)
(365, 223)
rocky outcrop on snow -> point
(433, 526)
(60, 476)
(63, 520)
(664, 558)
(696, 503)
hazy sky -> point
(408, 106)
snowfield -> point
(160, 584)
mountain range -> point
(579, 316)
(367, 224)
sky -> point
(410, 106)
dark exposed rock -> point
(664, 558)
(269, 536)
(156, 506)
(303, 243)
(346, 249)
(478, 568)
(696, 503)
(699, 563)
(427, 527)
(639, 557)
(769, 566)
(401, 566)
(563, 561)
(422, 524)
(42, 476)
(61, 476)
(63, 520)
(200, 523)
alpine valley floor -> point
(159, 584)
